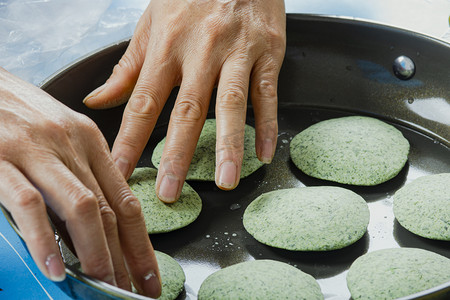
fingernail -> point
(55, 268)
(227, 175)
(94, 93)
(168, 189)
(267, 151)
(151, 285)
(123, 165)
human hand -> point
(52, 156)
(196, 45)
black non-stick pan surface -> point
(333, 67)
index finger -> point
(153, 87)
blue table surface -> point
(19, 276)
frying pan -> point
(333, 67)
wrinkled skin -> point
(51, 156)
(236, 45)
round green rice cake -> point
(352, 150)
(308, 218)
(423, 206)
(203, 162)
(159, 216)
(172, 276)
(397, 272)
(260, 279)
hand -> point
(198, 44)
(52, 156)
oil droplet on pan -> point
(235, 206)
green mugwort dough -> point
(260, 279)
(352, 150)
(172, 276)
(159, 216)
(203, 163)
(396, 272)
(307, 218)
(423, 206)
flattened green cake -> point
(260, 279)
(203, 163)
(352, 150)
(423, 206)
(307, 218)
(162, 217)
(397, 272)
(172, 276)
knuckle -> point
(128, 208)
(217, 28)
(190, 107)
(56, 128)
(234, 98)
(144, 103)
(89, 130)
(108, 217)
(85, 204)
(28, 198)
(130, 62)
(272, 39)
(267, 89)
(87, 124)
(277, 37)
(130, 59)
(168, 40)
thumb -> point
(118, 88)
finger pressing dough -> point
(202, 167)
(159, 216)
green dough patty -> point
(203, 163)
(172, 276)
(307, 218)
(159, 216)
(260, 279)
(397, 272)
(423, 206)
(351, 150)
